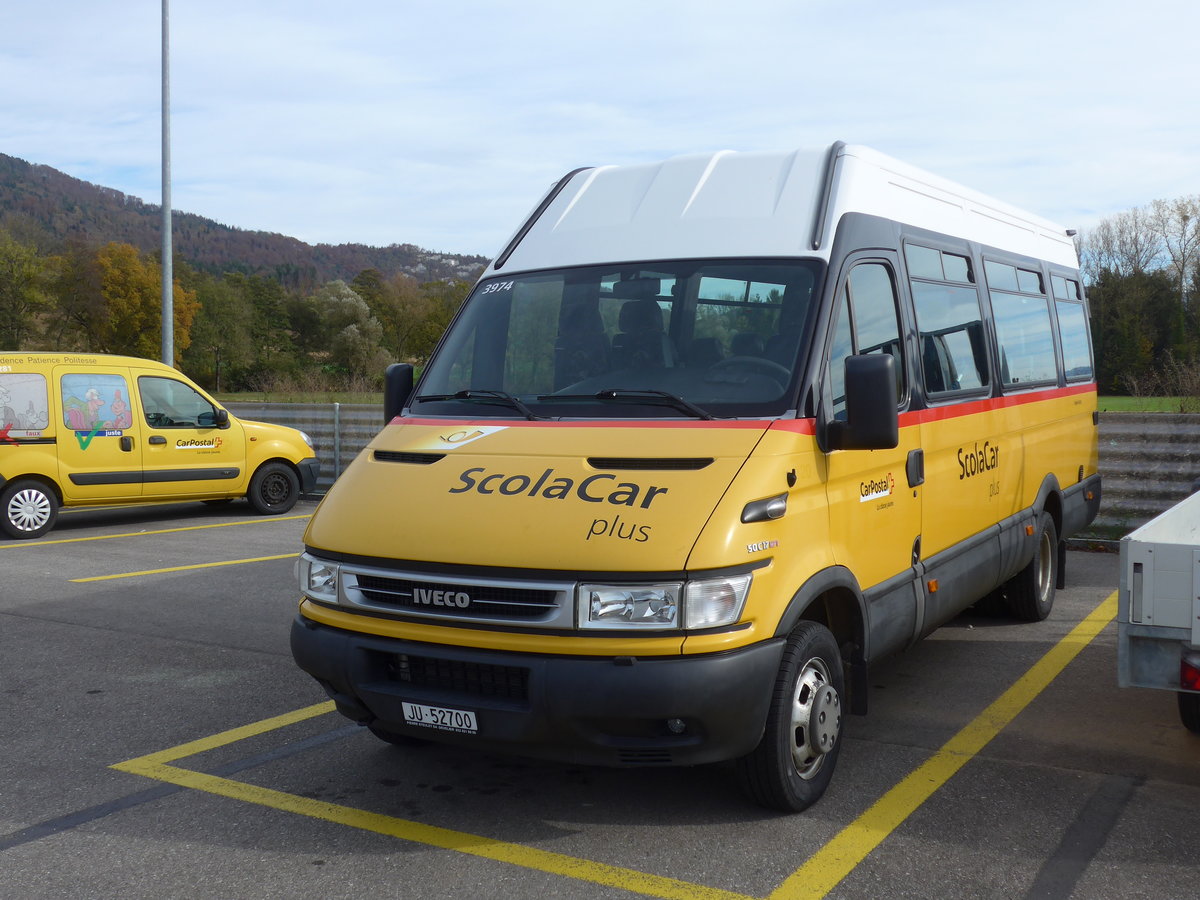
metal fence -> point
(339, 430)
(1149, 461)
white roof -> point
(729, 204)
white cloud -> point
(441, 124)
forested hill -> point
(60, 208)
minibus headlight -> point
(629, 606)
(318, 579)
(715, 601)
(307, 439)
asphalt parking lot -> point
(158, 741)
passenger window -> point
(168, 403)
(867, 322)
(1024, 338)
(953, 350)
(24, 405)
(1076, 345)
(95, 401)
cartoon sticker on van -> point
(23, 405)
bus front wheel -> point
(794, 762)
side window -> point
(867, 322)
(168, 403)
(1073, 330)
(1024, 336)
(24, 405)
(95, 401)
(953, 344)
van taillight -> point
(1189, 671)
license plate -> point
(459, 720)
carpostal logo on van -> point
(873, 490)
(213, 443)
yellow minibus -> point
(707, 439)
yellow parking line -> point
(837, 859)
(132, 534)
(816, 878)
(155, 765)
(211, 565)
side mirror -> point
(872, 422)
(218, 418)
(397, 386)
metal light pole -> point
(168, 276)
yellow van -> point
(87, 429)
(708, 438)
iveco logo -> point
(427, 597)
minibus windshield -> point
(693, 338)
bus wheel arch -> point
(832, 598)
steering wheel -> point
(755, 364)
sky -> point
(442, 124)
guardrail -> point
(1149, 461)
(339, 430)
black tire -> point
(274, 489)
(794, 762)
(28, 509)
(1029, 595)
(1189, 711)
(398, 740)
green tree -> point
(222, 333)
(1133, 325)
(23, 292)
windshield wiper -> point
(637, 395)
(501, 398)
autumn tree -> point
(110, 301)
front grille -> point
(475, 679)
(484, 601)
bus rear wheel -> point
(1029, 595)
(794, 762)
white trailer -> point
(1158, 608)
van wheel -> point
(794, 762)
(29, 509)
(1189, 711)
(274, 489)
(1029, 595)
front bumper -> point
(309, 471)
(592, 710)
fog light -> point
(676, 726)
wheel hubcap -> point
(1045, 567)
(816, 718)
(29, 510)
